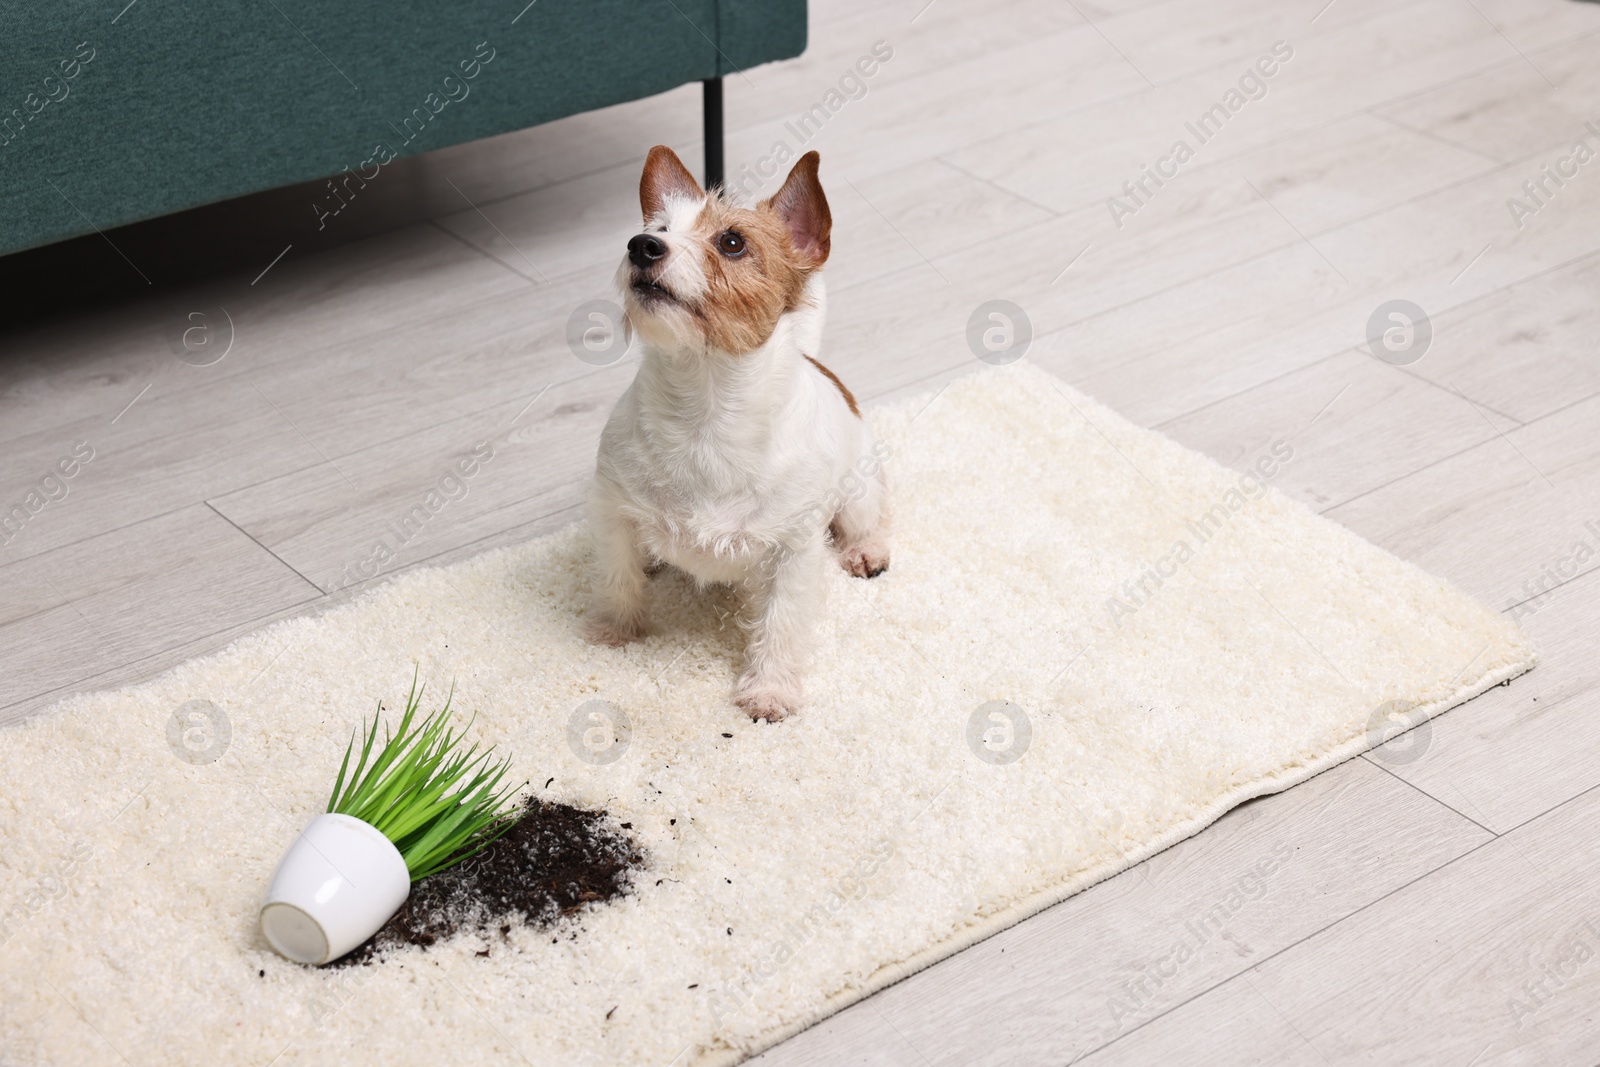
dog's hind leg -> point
(861, 527)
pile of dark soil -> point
(553, 862)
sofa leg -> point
(713, 130)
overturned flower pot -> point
(418, 806)
(338, 883)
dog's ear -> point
(665, 177)
(804, 209)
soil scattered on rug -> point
(556, 860)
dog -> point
(734, 456)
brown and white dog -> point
(734, 456)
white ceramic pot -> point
(336, 885)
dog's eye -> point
(731, 244)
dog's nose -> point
(645, 249)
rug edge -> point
(890, 974)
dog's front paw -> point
(767, 703)
(603, 631)
(866, 560)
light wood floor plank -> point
(1530, 25)
(441, 487)
(923, 42)
(153, 664)
(108, 601)
(165, 452)
(1528, 350)
(1354, 424)
(1522, 106)
(402, 379)
(1504, 520)
(1490, 960)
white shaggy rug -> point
(792, 868)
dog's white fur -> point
(732, 467)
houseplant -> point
(421, 804)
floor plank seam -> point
(1264, 255)
(71, 689)
(1448, 387)
(43, 552)
(1546, 592)
(485, 253)
(890, 390)
(1552, 809)
(1344, 918)
(322, 601)
(1402, 477)
(1052, 212)
(451, 552)
(1568, 406)
(1437, 800)
(294, 570)
(1430, 135)
(1461, 452)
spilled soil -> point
(553, 862)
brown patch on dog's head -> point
(713, 270)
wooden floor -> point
(1441, 901)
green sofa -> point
(115, 114)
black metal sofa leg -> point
(713, 130)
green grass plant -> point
(438, 803)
